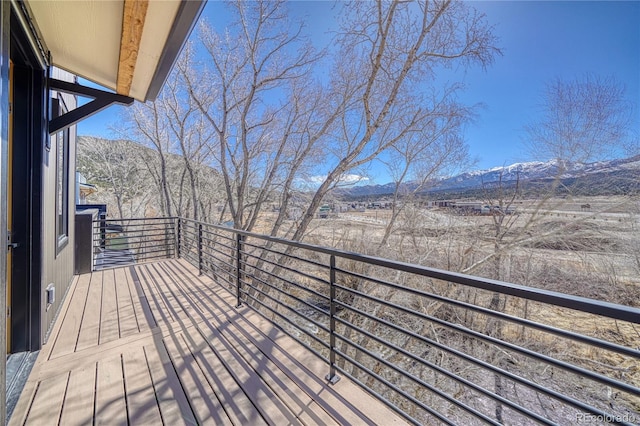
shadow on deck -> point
(158, 344)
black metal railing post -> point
(178, 235)
(103, 231)
(332, 377)
(199, 249)
(238, 270)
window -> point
(62, 181)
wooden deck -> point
(157, 344)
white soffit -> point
(84, 38)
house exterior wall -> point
(57, 263)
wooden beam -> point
(133, 17)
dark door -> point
(25, 185)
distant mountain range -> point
(598, 178)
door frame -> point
(5, 35)
(9, 210)
(29, 135)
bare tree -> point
(148, 125)
(259, 58)
(179, 138)
(189, 128)
(422, 156)
(114, 166)
(388, 54)
(581, 120)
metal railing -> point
(435, 346)
(121, 242)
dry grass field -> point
(559, 246)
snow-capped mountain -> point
(536, 171)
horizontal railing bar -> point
(419, 381)
(128, 261)
(293, 283)
(513, 319)
(137, 232)
(209, 233)
(136, 240)
(296, 298)
(216, 275)
(289, 256)
(190, 233)
(442, 371)
(140, 250)
(611, 310)
(134, 234)
(104, 226)
(169, 219)
(112, 265)
(525, 351)
(188, 256)
(392, 387)
(137, 254)
(296, 271)
(215, 250)
(131, 227)
(318, 340)
(282, 329)
(133, 256)
(147, 250)
(224, 251)
(282, 254)
(214, 258)
(480, 363)
(289, 309)
(214, 242)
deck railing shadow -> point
(433, 344)
(270, 357)
(185, 354)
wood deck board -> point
(141, 307)
(111, 407)
(203, 399)
(173, 403)
(223, 374)
(264, 358)
(182, 307)
(66, 338)
(80, 397)
(141, 401)
(89, 332)
(170, 347)
(109, 327)
(157, 302)
(47, 402)
(363, 409)
(253, 351)
(127, 320)
(242, 356)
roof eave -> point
(183, 24)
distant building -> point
(83, 189)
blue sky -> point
(541, 41)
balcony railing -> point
(121, 242)
(435, 346)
